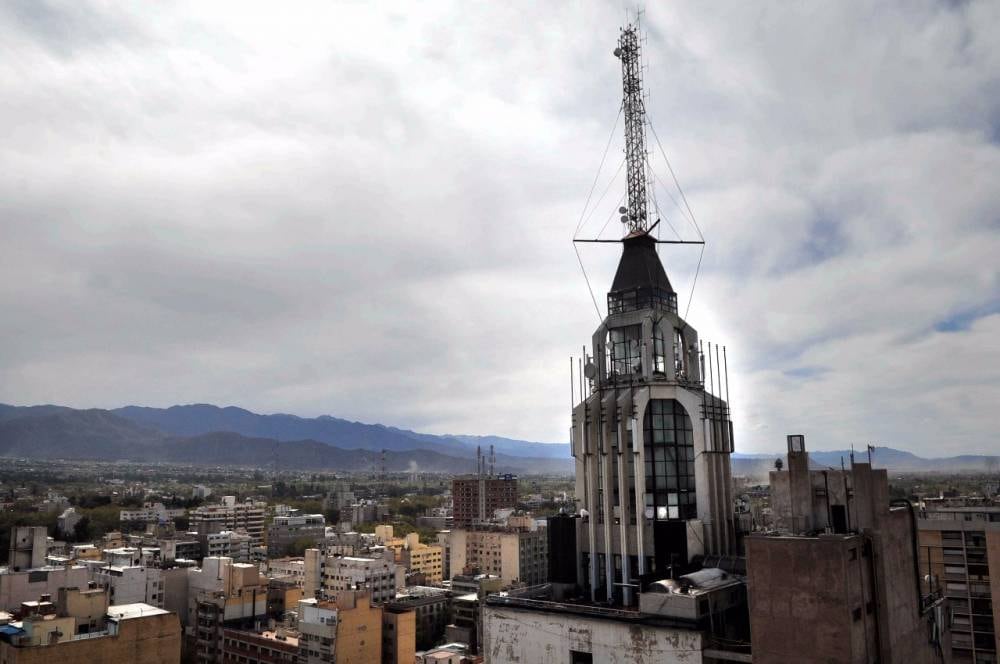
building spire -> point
(634, 217)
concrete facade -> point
(286, 531)
(817, 594)
(476, 498)
(651, 443)
(132, 633)
(960, 559)
(516, 555)
(543, 637)
(378, 576)
(248, 516)
(346, 631)
(399, 634)
(27, 585)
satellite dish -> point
(624, 219)
(590, 371)
(618, 53)
(622, 210)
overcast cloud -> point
(366, 211)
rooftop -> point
(137, 610)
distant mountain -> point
(758, 465)
(65, 433)
(196, 419)
(518, 447)
(74, 434)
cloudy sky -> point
(367, 211)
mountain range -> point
(210, 435)
(205, 434)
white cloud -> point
(366, 211)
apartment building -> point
(268, 647)
(222, 594)
(286, 531)
(476, 498)
(432, 612)
(516, 554)
(248, 516)
(149, 513)
(238, 545)
(347, 630)
(379, 576)
(959, 552)
(399, 634)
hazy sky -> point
(366, 211)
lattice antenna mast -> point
(634, 111)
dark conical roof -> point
(640, 266)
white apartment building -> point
(229, 544)
(379, 576)
(150, 513)
(248, 516)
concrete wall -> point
(546, 637)
(149, 640)
(802, 595)
(993, 560)
(17, 587)
(359, 631)
(399, 636)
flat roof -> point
(137, 610)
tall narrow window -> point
(680, 369)
(659, 351)
(668, 452)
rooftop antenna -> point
(493, 461)
(634, 215)
(479, 461)
(634, 109)
(382, 477)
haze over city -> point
(367, 212)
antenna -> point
(382, 479)
(635, 129)
(493, 461)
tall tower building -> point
(652, 444)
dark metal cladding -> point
(640, 282)
(640, 266)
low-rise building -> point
(83, 628)
(149, 513)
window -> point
(576, 657)
(668, 453)
(680, 367)
(659, 351)
(624, 345)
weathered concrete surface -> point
(547, 637)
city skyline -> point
(353, 212)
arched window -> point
(668, 450)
